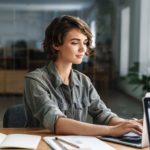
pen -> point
(69, 143)
(59, 144)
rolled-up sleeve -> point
(97, 109)
(40, 101)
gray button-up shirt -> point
(46, 98)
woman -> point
(58, 97)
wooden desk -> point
(44, 132)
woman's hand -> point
(139, 121)
(125, 127)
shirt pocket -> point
(62, 106)
(67, 110)
(81, 110)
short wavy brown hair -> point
(57, 30)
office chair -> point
(14, 117)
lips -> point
(79, 56)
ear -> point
(56, 47)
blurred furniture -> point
(12, 81)
(14, 117)
(16, 61)
(100, 73)
(99, 77)
(104, 65)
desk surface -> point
(43, 132)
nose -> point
(83, 48)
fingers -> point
(136, 131)
(138, 120)
(135, 127)
(127, 126)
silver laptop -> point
(132, 139)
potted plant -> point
(133, 77)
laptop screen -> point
(147, 112)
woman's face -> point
(74, 47)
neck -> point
(64, 71)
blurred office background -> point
(120, 67)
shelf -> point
(12, 81)
(15, 62)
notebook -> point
(132, 139)
(83, 143)
(23, 141)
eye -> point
(85, 43)
(74, 42)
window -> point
(124, 51)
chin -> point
(77, 63)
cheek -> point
(71, 49)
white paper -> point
(84, 142)
(20, 141)
(2, 137)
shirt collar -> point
(74, 78)
(55, 78)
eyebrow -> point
(77, 39)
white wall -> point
(144, 57)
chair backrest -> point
(14, 117)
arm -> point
(70, 126)
(40, 105)
(116, 121)
(105, 116)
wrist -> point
(108, 130)
(116, 121)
